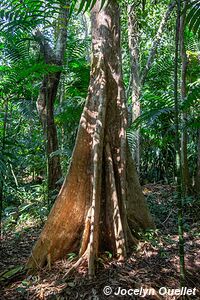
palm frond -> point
(193, 98)
(131, 137)
(193, 16)
(85, 5)
(160, 105)
(26, 15)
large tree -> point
(100, 205)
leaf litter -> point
(154, 264)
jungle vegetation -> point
(96, 99)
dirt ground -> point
(152, 267)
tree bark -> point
(133, 41)
(179, 177)
(48, 92)
(197, 178)
(45, 107)
(135, 84)
(91, 213)
(184, 134)
(2, 175)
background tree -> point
(138, 73)
(157, 95)
(184, 136)
(48, 91)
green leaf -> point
(83, 2)
(8, 274)
(193, 17)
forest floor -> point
(154, 264)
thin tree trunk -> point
(184, 135)
(137, 77)
(85, 20)
(45, 107)
(135, 84)
(1, 204)
(156, 41)
(197, 178)
(178, 152)
(90, 213)
(133, 41)
(2, 175)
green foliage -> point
(71, 256)
(28, 202)
(8, 274)
(193, 16)
(26, 15)
(22, 69)
(87, 4)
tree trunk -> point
(197, 179)
(45, 107)
(48, 91)
(2, 175)
(92, 211)
(156, 41)
(137, 77)
(184, 135)
(135, 83)
(179, 177)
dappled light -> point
(99, 150)
(154, 264)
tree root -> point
(80, 261)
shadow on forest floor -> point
(155, 264)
